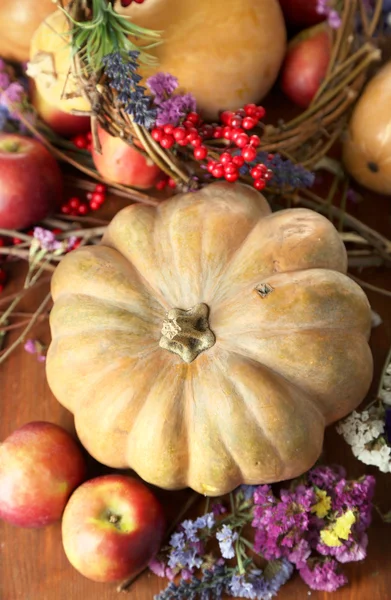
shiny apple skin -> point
(105, 551)
(31, 183)
(40, 466)
(121, 163)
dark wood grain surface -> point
(32, 562)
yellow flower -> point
(340, 530)
(322, 507)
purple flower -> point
(162, 85)
(240, 587)
(323, 576)
(218, 509)
(4, 81)
(325, 478)
(12, 95)
(206, 521)
(333, 19)
(47, 239)
(30, 346)
(173, 109)
(300, 553)
(157, 567)
(226, 538)
(177, 540)
(190, 529)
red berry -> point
(179, 133)
(260, 112)
(100, 188)
(227, 132)
(268, 176)
(236, 133)
(157, 134)
(192, 135)
(255, 141)
(207, 131)
(89, 136)
(231, 177)
(226, 116)
(196, 142)
(65, 209)
(241, 140)
(188, 124)
(218, 170)
(74, 202)
(250, 110)
(256, 172)
(238, 161)
(80, 141)
(240, 112)
(248, 123)
(259, 184)
(182, 142)
(56, 231)
(235, 122)
(93, 206)
(167, 141)
(2, 242)
(3, 276)
(230, 168)
(83, 209)
(249, 153)
(193, 117)
(76, 244)
(225, 158)
(211, 165)
(16, 241)
(98, 198)
(169, 129)
(161, 184)
(200, 153)
(218, 132)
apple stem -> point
(192, 500)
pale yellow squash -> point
(367, 146)
(207, 342)
(51, 65)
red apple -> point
(30, 182)
(112, 526)
(62, 123)
(306, 64)
(40, 466)
(120, 163)
(301, 13)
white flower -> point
(362, 429)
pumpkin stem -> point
(186, 332)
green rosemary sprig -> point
(108, 32)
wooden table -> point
(32, 563)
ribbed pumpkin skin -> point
(251, 409)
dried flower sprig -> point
(314, 525)
(368, 432)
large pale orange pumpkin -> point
(208, 342)
(226, 52)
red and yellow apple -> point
(112, 527)
(40, 466)
(306, 64)
(30, 182)
(65, 124)
(121, 163)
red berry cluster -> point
(234, 127)
(83, 141)
(75, 206)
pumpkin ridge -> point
(249, 358)
(251, 413)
